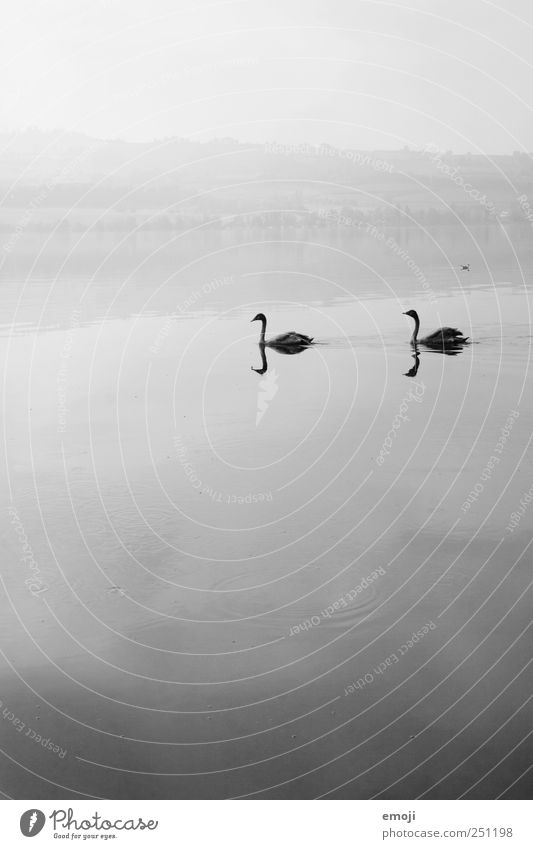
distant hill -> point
(44, 171)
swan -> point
(284, 340)
(441, 338)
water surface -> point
(212, 576)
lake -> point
(295, 578)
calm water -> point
(212, 576)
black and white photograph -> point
(266, 293)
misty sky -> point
(354, 74)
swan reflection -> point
(294, 349)
(448, 351)
(413, 370)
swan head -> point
(412, 314)
(259, 317)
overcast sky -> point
(359, 74)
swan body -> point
(444, 337)
(284, 340)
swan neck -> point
(415, 331)
(263, 331)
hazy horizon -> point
(63, 132)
